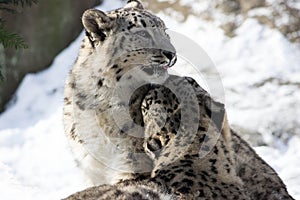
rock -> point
(283, 15)
(229, 28)
(247, 5)
(228, 6)
(47, 27)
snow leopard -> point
(128, 131)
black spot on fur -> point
(118, 193)
(189, 174)
(214, 169)
(136, 195)
(203, 178)
(186, 161)
(175, 184)
(201, 193)
(100, 83)
(188, 181)
(118, 71)
(118, 78)
(80, 105)
(143, 23)
(67, 101)
(166, 154)
(73, 85)
(154, 144)
(216, 151)
(158, 101)
(178, 170)
(184, 190)
(131, 26)
(213, 161)
(80, 141)
(201, 128)
(214, 195)
(214, 180)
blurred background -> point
(255, 46)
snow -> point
(285, 163)
(34, 155)
(260, 72)
(33, 164)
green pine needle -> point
(18, 2)
(8, 39)
(11, 40)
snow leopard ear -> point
(134, 4)
(96, 24)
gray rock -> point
(47, 27)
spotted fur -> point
(173, 143)
(117, 43)
(212, 162)
(126, 190)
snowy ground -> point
(35, 162)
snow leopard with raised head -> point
(111, 48)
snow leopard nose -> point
(171, 56)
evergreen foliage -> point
(7, 38)
(18, 2)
